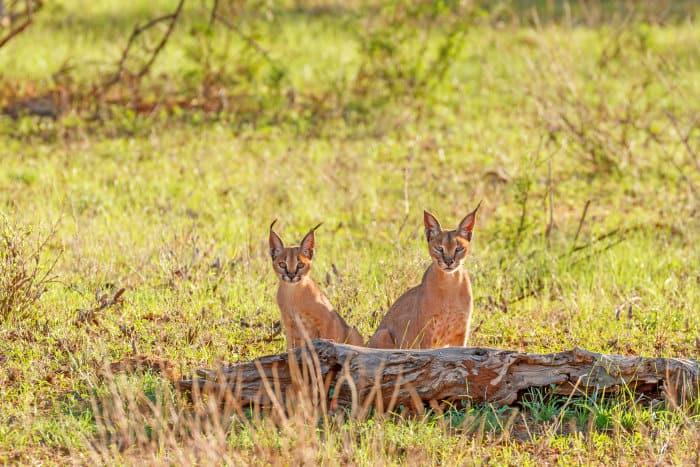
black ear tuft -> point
(466, 227)
(309, 242)
(275, 242)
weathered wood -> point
(388, 378)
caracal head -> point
(448, 248)
(291, 264)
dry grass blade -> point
(276, 404)
(375, 396)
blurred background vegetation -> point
(145, 146)
(261, 62)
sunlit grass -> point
(176, 210)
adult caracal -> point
(306, 311)
(436, 313)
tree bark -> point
(348, 376)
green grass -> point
(149, 203)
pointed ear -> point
(466, 227)
(309, 243)
(432, 226)
(276, 244)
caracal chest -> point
(447, 307)
(302, 306)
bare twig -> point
(523, 216)
(580, 223)
(170, 19)
(30, 8)
(212, 15)
(614, 232)
(550, 197)
(15, 31)
(685, 139)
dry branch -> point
(15, 31)
(388, 378)
(28, 14)
(169, 19)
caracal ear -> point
(466, 227)
(432, 226)
(276, 244)
(309, 243)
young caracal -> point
(436, 313)
(306, 311)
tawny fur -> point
(436, 313)
(306, 311)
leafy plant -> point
(542, 408)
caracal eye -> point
(439, 249)
(300, 266)
(459, 248)
(282, 265)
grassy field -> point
(358, 117)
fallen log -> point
(348, 376)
